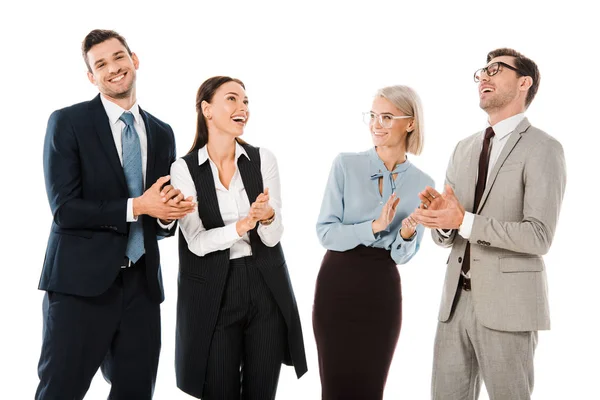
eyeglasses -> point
(385, 120)
(493, 69)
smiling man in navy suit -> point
(106, 165)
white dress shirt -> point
(502, 132)
(233, 204)
(114, 112)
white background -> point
(310, 70)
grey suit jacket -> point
(513, 228)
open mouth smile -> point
(118, 78)
(240, 119)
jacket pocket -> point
(511, 166)
(84, 233)
(524, 263)
(191, 276)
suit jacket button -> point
(440, 239)
(398, 247)
(479, 242)
(459, 259)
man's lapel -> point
(471, 175)
(513, 139)
(151, 136)
(102, 125)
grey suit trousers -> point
(466, 352)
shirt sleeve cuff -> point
(445, 232)
(230, 233)
(167, 227)
(364, 232)
(467, 225)
(130, 216)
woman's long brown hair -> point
(206, 93)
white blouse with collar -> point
(233, 203)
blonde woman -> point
(364, 226)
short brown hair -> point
(526, 67)
(98, 36)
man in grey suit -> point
(499, 210)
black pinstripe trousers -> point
(118, 331)
(249, 341)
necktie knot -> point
(127, 118)
(489, 133)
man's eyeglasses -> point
(385, 120)
(493, 69)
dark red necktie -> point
(484, 160)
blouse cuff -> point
(230, 233)
(410, 239)
(364, 232)
(405, 244)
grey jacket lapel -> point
(514, 138)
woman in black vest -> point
(237, 319)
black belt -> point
(464, 283)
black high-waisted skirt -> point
(357, 316)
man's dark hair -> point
(526, 67)
(98, 36)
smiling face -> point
(503, 90)
(113, 70)
(227, 113)
(394, 136)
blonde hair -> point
(407, 100)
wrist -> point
(244, 225)
(138, 206)
(376, 227)
(462, 211)
(462, 219)
(268, 221)
(406, 233)
(239, 227)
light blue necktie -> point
(132, 166)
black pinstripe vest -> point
(202, 279)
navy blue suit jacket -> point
(88, 195)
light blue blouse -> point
(352, 201)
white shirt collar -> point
(115, 111)
(506, 126)
(203, 153)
